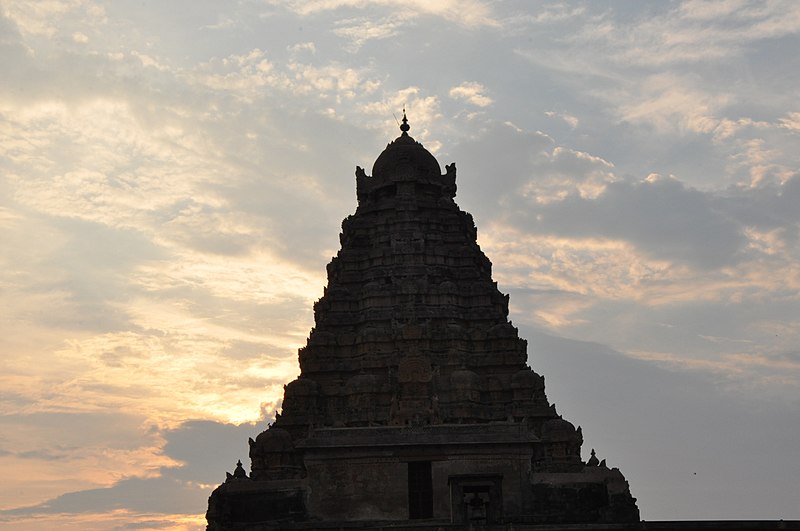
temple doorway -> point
(420, 490)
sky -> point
(173, 175)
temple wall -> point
(351, 484)
(351, 487)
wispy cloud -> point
(469, 13)
(471, 92)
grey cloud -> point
(296, 226)
(182, 28)
(612, 55)
(208, 449)
(661, 427)
(677, 33)
(300, 196)
(10, 38)
(15, 400)
(71, 76)
(789, 198)
(92, 267)
(768, 207)
(494, 164)
(201, 227)
(792, 356)
(571, 163)
(102, 247)
(663, 218)
(50, 454)
(116, 356)
(706, 330)
(20, 77)
(154, 495)
(148, 524)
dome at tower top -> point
(405, 169)
(405, 154)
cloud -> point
(160, 495)
(470, 13)
(568, 118)
(674, 104)
(208, 448)
(423, 111)
(36, 18)
(245, 74)
(666, 71)
(303, 47)
(564, 193)
(668, 401)
(698, 31)
(360, 30)
(471, 92)
(494, 164)
(791, 122)
(204, 450)
(661, 217)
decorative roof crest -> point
(405, 127)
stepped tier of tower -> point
(411, 328)
(410, 301)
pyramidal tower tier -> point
(415, 402)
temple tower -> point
(414, 400)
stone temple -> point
(415, 405)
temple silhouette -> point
(415, 404)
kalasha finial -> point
(405, 127)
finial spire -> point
(405, 127)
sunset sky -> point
(173, 175)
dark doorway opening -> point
(420, 490)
